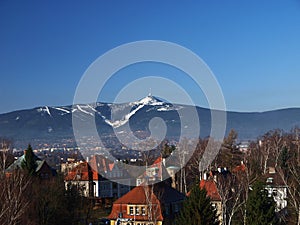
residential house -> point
(276, 188)
(210, 186)
(147, 205)
(156, 172)
(43, 170)
(100, 177)
(113, 179)
(83, 177)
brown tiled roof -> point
(275, 178)
(211, 189)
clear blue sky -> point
(253, 47)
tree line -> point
(28, 199)
(243, 189)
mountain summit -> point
(150, 100)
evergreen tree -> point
(29, 162)
(260, 208)
(197, 209)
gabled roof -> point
(162, 173)
(81, 173)
(103, 166)
(136, 196)
(211, 188)
(273, 179)
(161, 194)
(239, 168)
(17, 164)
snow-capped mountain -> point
(121, 113)
(54, 123)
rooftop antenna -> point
(150, 94)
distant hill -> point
(54, 123)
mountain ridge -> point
(55, 122)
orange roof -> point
(111, 166)
(137, 196)
(240, 168)
(158, 160)
(211, 189)
(101, 164)
(81, 173)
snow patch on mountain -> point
(80, 108)
(62, 109)
(45, 109)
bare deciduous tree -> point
(13, 204)
(153, 204)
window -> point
(131, 210)
(143, 211)
(137, 210)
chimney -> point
(204, 176)
(272, 170)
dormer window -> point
(270, 180)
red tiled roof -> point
(81, 173)
(111, 166)
(157, 161)
(101, 164)
(136, 196)
(240, 168)
(211, 189)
